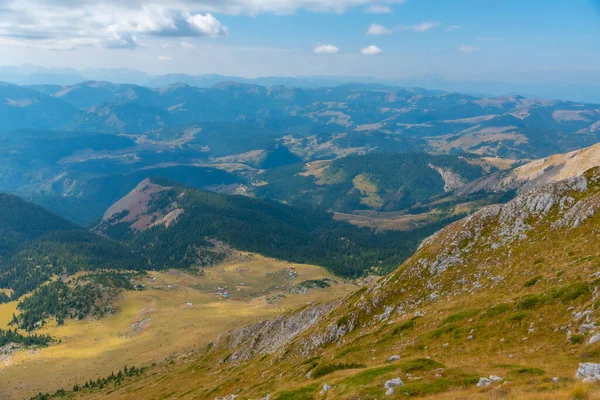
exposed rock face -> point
(136, 211)
(269, 336)
(588, 372)
(512, 221)
(452, 180)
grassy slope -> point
(503, 311)
(94, 348)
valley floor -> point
(178, 313)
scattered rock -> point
(393, 358)
(325, 389)
(588, 372)
(594, 339)
(483, 382)
(393, 383)
(495, 378)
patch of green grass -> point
(531, 301)
(303, 393)
(495, 310)
(310, 360)
(518, 317)
(419, 364)
(460, 316)
(533, 281)
(327, 369)
(404, 327)
(368, 376)
(571, 292)
(427, 388)
(436, 333)
(527, 371)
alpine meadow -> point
(299, 200)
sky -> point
(505, 40)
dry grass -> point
(92, 349)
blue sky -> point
(510, 40)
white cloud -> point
(377, 30)
(43, 24)
(371, 50)
(465, 48)
(206, 25)
(379, 9)
(422, 27)
(164, 58)
(326, 49)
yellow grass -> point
(94, 348)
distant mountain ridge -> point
(577, 90)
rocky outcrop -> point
(588, 372)
(268, 337)
(537, 173)
(452, 180)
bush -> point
(577, 339)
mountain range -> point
(551, 85)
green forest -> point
(298, 234)
(402, 180)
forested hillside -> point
(37, 245)
(174, 226)
(377, 181)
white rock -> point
(325, 389)
(594, 339)
(588, 372)
(393, 383)
(495, 378)
(389, 392)
(393, 358)
(483, 381)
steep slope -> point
(537, 173)
(500, 304)
(36, 246)
(176, 226)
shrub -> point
(576, 339)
